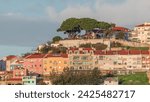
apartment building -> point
(141, 33)
(134, 60)
(34, 63)
(81, 58)
(54, 63)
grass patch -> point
(135, 48)
(134, 79)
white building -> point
(141, 33)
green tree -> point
(120, 35)
(56, 39)
(73, 26)
(74, 77)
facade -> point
(34, 63)
(2, 65)
(54, 62)
(128, 60)
(19, 73)
(29, 80)
(81, 58)
(18, 63)
(141, 33)
(10, 59)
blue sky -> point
(27, 23)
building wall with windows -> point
(81, 59)
(54, 63)
(141, 33)
(34, 63)
(19, 72)
(135, 60)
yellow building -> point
(55, 63)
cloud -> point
(126, 13)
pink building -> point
(34, 63)
(9, 59)
(19, 72)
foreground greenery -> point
(70, 77)
(134, 79)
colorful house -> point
(18, 63)
(19, 72)
(9, 59)
(34, 63)
(55, 62)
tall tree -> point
(73, 26)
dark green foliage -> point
(98, 46)
(73, 26)
(85, 24)
(45, 49)
(120, 35)
(88, 45)
(72, 77)
(135, 48)
(116, 44)
(26, 54)
(56, 39)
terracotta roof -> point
(120, 29)
(145, 52)
(73, 48)
(142, 25)
(134, 52)
(56, 55)
(99, 52)
(121, 52)
(36, 55)
(10, 57)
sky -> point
(28, 23)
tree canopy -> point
(72, 77)
(83, 23)
(73, 26)
(56, 39)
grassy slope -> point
(134, 79)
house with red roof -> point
(34, 63)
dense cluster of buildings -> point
(75, 59)
(28, 69)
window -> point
(65, 62)
(76, 58)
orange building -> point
(54, 62)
